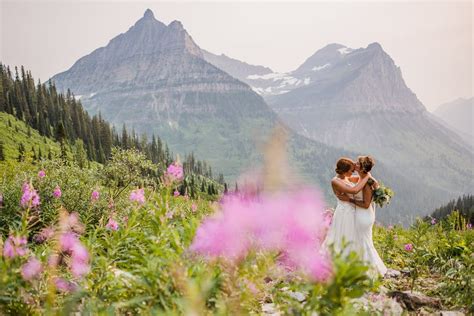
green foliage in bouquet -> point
(383, 195)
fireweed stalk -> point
(69, 250)
(288, 222)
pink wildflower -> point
(95, 195)
(433, 221)
(71, 222)
(194, 207)
(469, 226)
(57, 192)
(64, 286)
(45, 234)
(112, 225)
(31, 269)
(328, 215)
(30, 197)
(71, 245)
(15, 246)
(138, 196)
(390, 227)
(41, 174)
(175, 171)
(67, 241)
(408, 247)
(289, 222)
(169, 214)
(176, 193)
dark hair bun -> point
(344, 165)
(366, 163)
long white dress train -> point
(364, 222)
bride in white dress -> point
(342, 232)
(365, 218)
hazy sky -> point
(431, 41)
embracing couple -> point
(354, 216)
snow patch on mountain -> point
(318, 68)
(344, 50)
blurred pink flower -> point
(45, 234)
(138, 196)
(67, 241)
(57, 192)
(408, 247)
(71, 222)
(469, 226)
(291, 222)
(95, 195)
(31, 269)
(64, 285)
(71, 245)
(79, 252)
(30, 197)
(15, 246)
(112, 225)
(169, 214)
(328, 215)
(194, 207)
(390, 227)
(433, 221)
(175, 171)
(41, 174)
(176, 193)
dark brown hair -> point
(366, 163)
(344, 165)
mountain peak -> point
(375, 46)
(148, 14)
(176, 25)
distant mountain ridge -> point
(236, 68)
(357, 99)
(173, 91)
(459, 115)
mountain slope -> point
(14, 132)
(236, 68)
(155, 79)
(459, 115)
(361, 102)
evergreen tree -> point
(21, 152)
(2, 151)
(80, 154)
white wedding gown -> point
(354, 225)
(364, 222)
(342, 228)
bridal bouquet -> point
(383, 195)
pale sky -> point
(431, 41)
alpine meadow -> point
(158, 177)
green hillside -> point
(14, 132)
